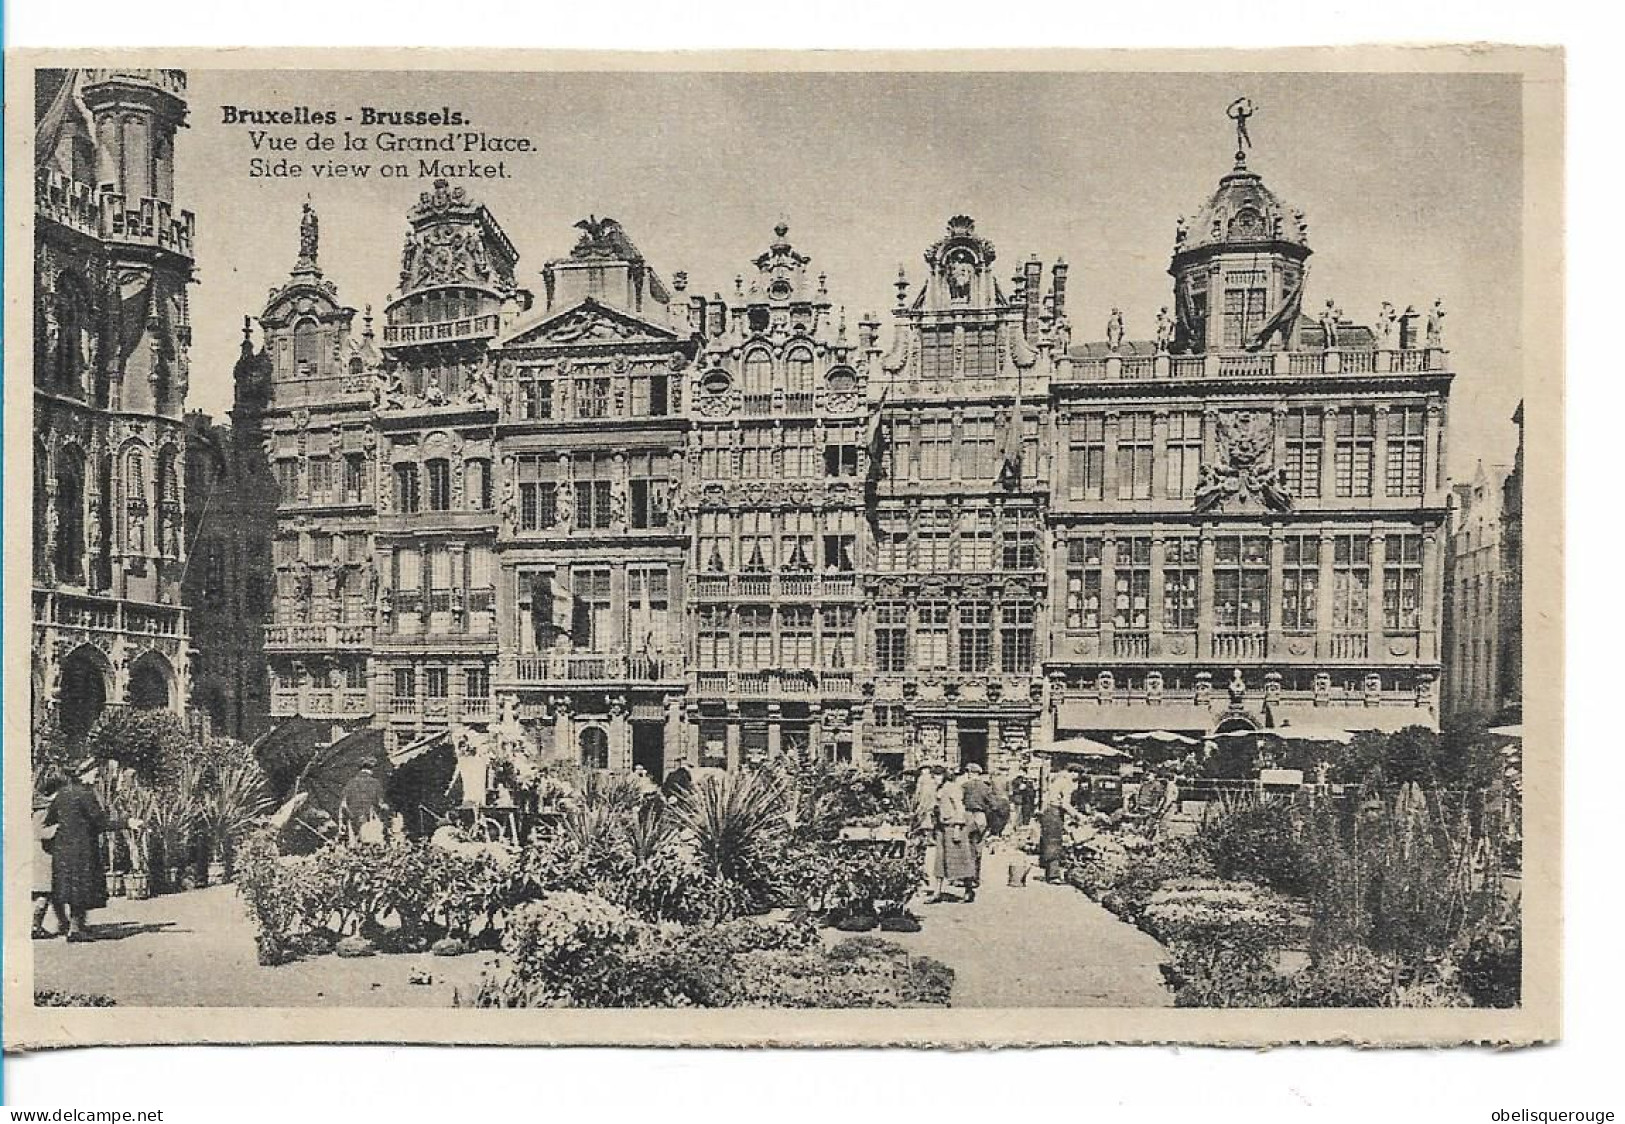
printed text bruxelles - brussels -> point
(306, 115)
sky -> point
(1412, 185)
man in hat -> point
(78, 877)
(362, 806)
(978, 803)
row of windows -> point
(976, 540)
(790, 452)
(540, 395)
(585, 488)
(1242, 598)
(938, 449)
(765, 541)
(943, 635)
(580, 611)
(437, 590)
(759, 370)
(752, 637)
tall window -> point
(651, 489)
(758, 372)
(936, 353)
(796, 636)
(892, 543)
(931, 636)
(976, 450)
(1184, 453)
(1131, 582)
(535, 395)
(891, 637)
(442, 580)
(1019, 549)
(72, 322)
(70, 517)
(406, 488)
(306, 349)
(755, 637)
(840, 459)
(715, 541)
(1303, 447)
(1300, 582)
(592, 486)
(406, 683)
(756, 456)
(981, 351)
(1241, 579)
(436, 682)
(839, 636)
(538, 493)
(321, 480)
(649, 394)
(477, 484)
(932, 540)
(839, 553)
(439, 472)
(287, 480)
(755, 542)
(798, 371)
(1181, 582)
(1402, 583)
(797, 553)
(1244, 296)
(355, 478)
(1403, 472)
(1083, 584)
(477, 682)
(1351, 582)
(594, 748)
(976, 540)
(1086, 458)
(591, 629)
(592, 396)
(975, 636)
(648, 608)
(1016, 636)
(716, 640)
(1355, 445)
(1134, 456)
(800, 460)
(936, 449)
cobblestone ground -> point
(1032, 946)
(1038, 945)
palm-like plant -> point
(236, 800)
(738, 822)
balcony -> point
(794, 683)
(354, 389)
(320, 702)
(106, 614)
(1131, 645)
(1348, 646)
(1239, 645)
(464, 328)
(595, 667)
(798, 587)
(1257, 365)
(109, 216)
(322, 637)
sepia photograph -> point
(999, 550)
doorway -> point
(973, 743)
(649, 748)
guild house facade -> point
(634, 526)
(113, 259)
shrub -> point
(737, 822)
(51, 997)
(1491, 963)
(1260, 843)
(1347, 976)
(565, 948)
(1224, 937)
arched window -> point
(758, 372)
(169, 505)
(135, 502)
(356, 365)
(594, 748)
(306, 349)
(798, 371)
(72, 324)
(439, 471)
(70, 517)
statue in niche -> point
(961, 272)
(1237, 690)
(564, 505)
(508, 505)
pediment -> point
(589, 322)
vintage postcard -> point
(936, 549)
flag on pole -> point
(1009, 477)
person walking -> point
(362, 806)
(922, 824)
(78, 876)
(998, 809)
(1052, 839)
(1024, 795)
(955, 858)
(46, 784)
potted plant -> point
(234, 803)
(172, 814)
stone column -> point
(673, 751)
(1379, 453)
(950, 742)
(1108, 471)
(1379, 555)
(1323, 596)
(1273, 647)
(1328, 453)
(995, 746)
(1159, 454)
(775, 732)
(563, 733)
(733, 737)
(815, 731)
(1429, 606)
(1159, 556)
(1108, 595)
(1433, 453)
(620, 736)
(1204, 599)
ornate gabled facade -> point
(960, 503)
(777, 464)
(1248, 506)
(113, 259)
(638, 527)
(592, 551)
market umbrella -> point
(1310, 734)
(1083, 747)
(1167, 736)
(333, 767)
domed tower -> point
(1239, 266)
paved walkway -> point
(196, 949)
(1033, 946)
(1038, 946)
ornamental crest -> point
(1245, 473)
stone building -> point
(1484, 592)
(113, 259)
(777, 464)
(637, 526)
(1248, 507)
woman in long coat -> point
(956, 855)
(78, 879)
(47, 782)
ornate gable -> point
(586, 324)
